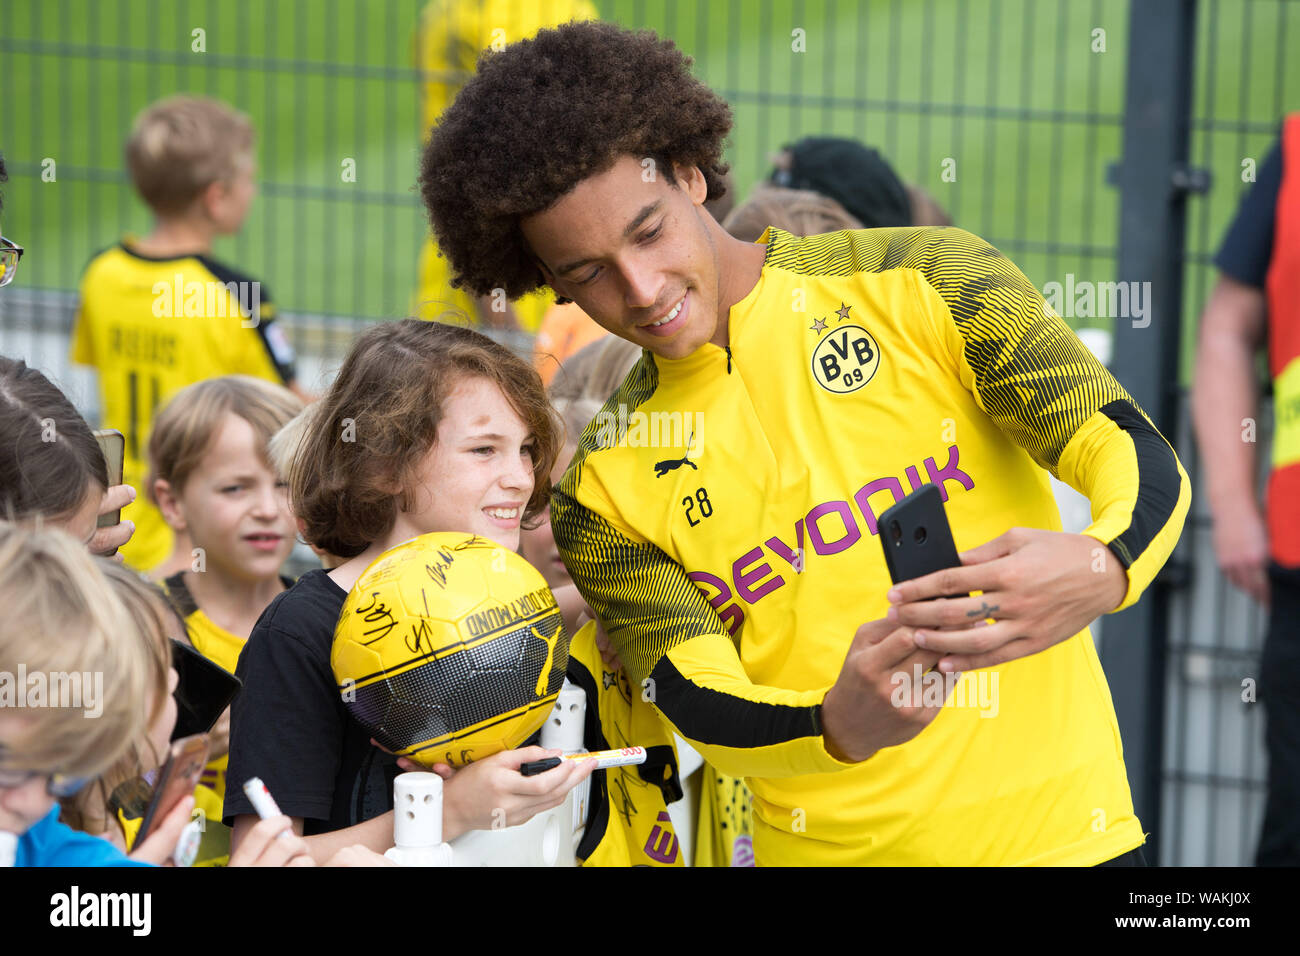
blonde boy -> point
(159, 313)
(215, 485)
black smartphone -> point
(916, 536)
(203, 692)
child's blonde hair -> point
(61, 618)
(283, 445)
(181, 145)
(188, 424)
(153, 619)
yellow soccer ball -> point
(450, 648)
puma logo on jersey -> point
(672, 464)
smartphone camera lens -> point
(919, 536)
(896, 532)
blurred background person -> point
(159, 313)
(1256, 303)
(451, 36)
(859, 178)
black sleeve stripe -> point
(225, 273)
(1158, 482)
(287, 368)
(721, 720)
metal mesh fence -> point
(1005, 112)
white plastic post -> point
(417, 821)
(564, 725)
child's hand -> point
(263, 846)
(158, 845)
(106, 541)
(493, 793)
(603, 644)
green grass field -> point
(1011, 91)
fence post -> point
(1154, 180)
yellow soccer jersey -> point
(724, 833)
(451, 36)
(152, 326)
(720, 517)
(627, 818)
(217, 645)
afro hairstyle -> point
(544, 114)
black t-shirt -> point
(1247, 247)
(289, 725)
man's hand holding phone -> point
(1038, 588)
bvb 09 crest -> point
(845, 359)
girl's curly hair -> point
(541, 116)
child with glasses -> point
(10, 252)
(64, 620)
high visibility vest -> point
(1283, 287)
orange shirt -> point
(564, 330)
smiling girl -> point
(428, 427)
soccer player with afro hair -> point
(721, 515)
(599, 93)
